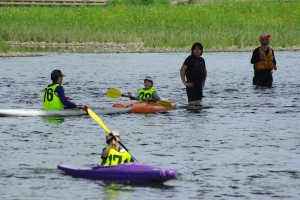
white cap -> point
(148, 78)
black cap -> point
(56, 73)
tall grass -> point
(218, 25)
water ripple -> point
(242, 143)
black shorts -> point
(263, 78)
(195, 93)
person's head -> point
(264, 39)
(197, 49)
(148, 82)
(57, 76)
(109, 138)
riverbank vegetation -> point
(219, 25)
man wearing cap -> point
(54, 95)
(113, 153)
(264, 62)
(148, 92)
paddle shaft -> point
(134, 98)
(114, 138)
(131, 98)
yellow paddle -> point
(115, 93)
(97, 119)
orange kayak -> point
(143, 107)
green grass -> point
(217, 25)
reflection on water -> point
(53, 119)
(131, 185)
(117, 191)
(242, 143)
(123, 190)
(194, 108)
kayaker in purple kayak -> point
(114, 153)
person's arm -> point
(106, 151)
(182, 74)
(131, 97)
(274, 60)
(255, 57)
(203, 82)
(205, 71)
(133, 159)
(112, 144)
(61, 94)
(155, 96)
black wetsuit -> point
(195, 73)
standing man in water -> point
(193, 74)
(54, 94)
(264, 62)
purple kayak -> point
(124, 172)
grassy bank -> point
(218, 25)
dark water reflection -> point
(243, 143)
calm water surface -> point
(243, 144)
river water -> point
(243, 144)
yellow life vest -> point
(267, 63)
(115, 157)
(50, 100)
(145, 94)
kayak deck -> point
(124, 172)
(143, 107)
(67, 112)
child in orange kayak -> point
(147, 93)
(114, 153)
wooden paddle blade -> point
(95, 117)
(113, 93)
(165, 104)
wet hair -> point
(197, 44)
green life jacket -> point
(115, 157)
(50, 100)
(145, 94)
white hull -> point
(67, 112)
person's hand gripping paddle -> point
(97, 119)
